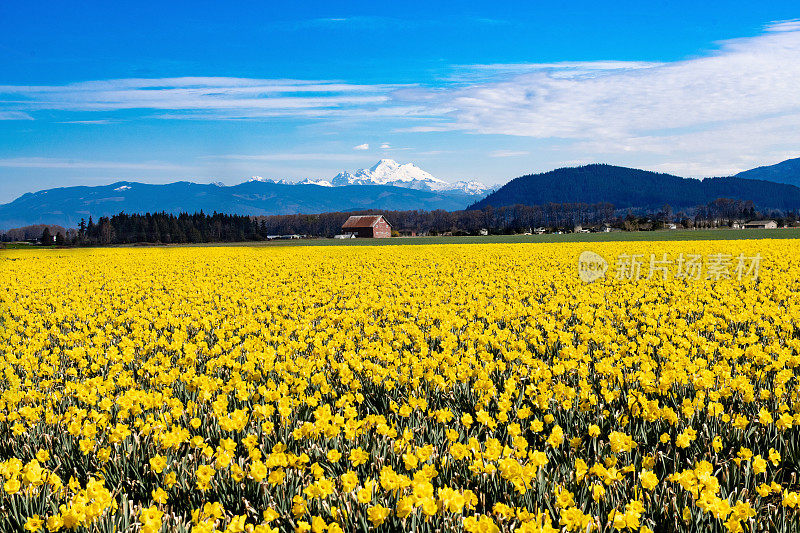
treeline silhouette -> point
(31, 233)
(165, 228)
(513, 219)
(200, 227)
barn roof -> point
(362, 221)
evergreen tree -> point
(47, 237)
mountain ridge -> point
(65, 206)
(389, 172)
(391, 186)
(630, 188)
(787, 172)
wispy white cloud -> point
(86, 122)
(425, 129)
(226, 97)
(14, 115)
(358, 22)
(47, 162)
(562, 69)
(706, 152)
(364, 146)
(733, 107)
(738, 103)
(292, 156)
(785, 25)
(435, 152)
(380, 24)
(385, 146)
(508, 153)
(744, 79)
(339, 115)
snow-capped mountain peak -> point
(408, 175)
(259, 179)
(321, 183)
(471, 187)
(390, 172)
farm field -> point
(468, 387)
(616, 236)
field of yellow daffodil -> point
(422, 388)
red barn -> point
(368, 226)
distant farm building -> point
(761, 224)
(368, 227)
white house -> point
(761, 224)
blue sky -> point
(96, 92)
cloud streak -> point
(47, 162)
(744, 79)
(508, 153)
(226, 97)
(563, 69)
(14, 115)
(292, 156)
(730, 108)
(735, 104)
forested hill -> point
(66, 206)
(634, 188)
(784, 172)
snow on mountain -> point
(267, 180)
(390, 172)
(471, 187)
(410, 176)
(322, 183)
